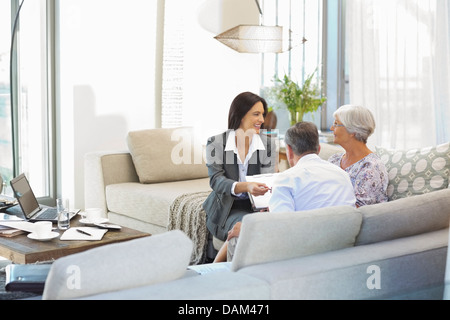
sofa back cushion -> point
(416, 171)
(404, 217)
(327, 150)
(164, 155)
(268, 237)
(145, 261)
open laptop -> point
(31, 209)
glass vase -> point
(296, 116)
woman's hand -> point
(257, 188)
(234, 232)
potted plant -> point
(299, 100)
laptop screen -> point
(25, 195)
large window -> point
(29, 146)
(304, 19)
(6, 159)
(335, 59)
(399, 66)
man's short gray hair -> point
(357, 120)
(303, 138)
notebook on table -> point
(31, 209)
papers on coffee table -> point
(10, 232)
(21, 225)
(74, 234)
(10, 225)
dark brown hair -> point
(241, 105)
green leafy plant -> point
(299, 100)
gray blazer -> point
(223, 171)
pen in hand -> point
(84, 232)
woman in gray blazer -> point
(244, 149)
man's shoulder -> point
(286, 175)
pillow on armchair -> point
(164, 155)
(416, 171)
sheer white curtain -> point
(399, 67)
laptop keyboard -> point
(47, 214)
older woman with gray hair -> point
(352, 127)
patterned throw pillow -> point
(416, 171)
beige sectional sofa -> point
(393, 250)
(390, 250)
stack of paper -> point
(9, 232)
(21, 225)
(10, 225)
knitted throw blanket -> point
(186, 214)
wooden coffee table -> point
(21, 249)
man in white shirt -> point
(310, 183)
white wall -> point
(109, 72)
(214, 73)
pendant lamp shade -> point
(256, 39)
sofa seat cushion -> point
(212, 286)
(267, 237)
(162, 155)
(404, 217)
(416, 171)
(150, 202)
(407, 266)
(120, 266)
